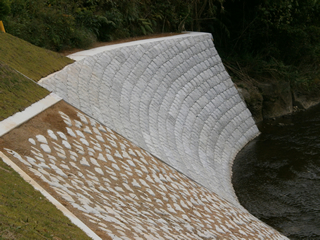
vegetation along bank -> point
(271, 48)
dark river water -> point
(277, 175)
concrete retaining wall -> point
(171, 96)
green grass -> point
(28, 59)
(26, 214)
(16, 92)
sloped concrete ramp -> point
(170, 96)
(113, 189)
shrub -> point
(4, 8)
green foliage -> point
(97, 24)
(63, 24)
(4, 8)
(28, 59)
(17, 92)
(48, 24)
(292, 26)
(284, 34)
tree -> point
(4, 8)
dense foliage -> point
(256, 38)
(276, 39)
(4, 8)
(63, 24)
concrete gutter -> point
(21, 117)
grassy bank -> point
(26, 214)
(30, 60)
(17, 92)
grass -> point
(32, 61)
(16, 92)
(26, 214)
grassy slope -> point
(16, 92)
(28, 59)
(26, 214)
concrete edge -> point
(51, 199)
(231, 163)
(90, 52)
(21, 117)
(83, 54)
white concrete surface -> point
(170, 96)
(123, 191)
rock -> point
(277, 99)
(253, 98)
(304, 101)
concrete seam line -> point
(55, 202)
(21, 117)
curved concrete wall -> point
(171, 96)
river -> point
(277, 175)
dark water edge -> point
(277, 175)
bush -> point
(59, 24)
(282, 34)
(4, 8)
(82, 38)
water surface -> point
(277, 175)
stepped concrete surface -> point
(145, 152)
(170, 96)
(116, 189)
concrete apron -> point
(195, 123)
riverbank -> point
(276, 176)
(271, 99)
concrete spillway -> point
(171, 96)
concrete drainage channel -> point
(180, 115)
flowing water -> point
(277, 175)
